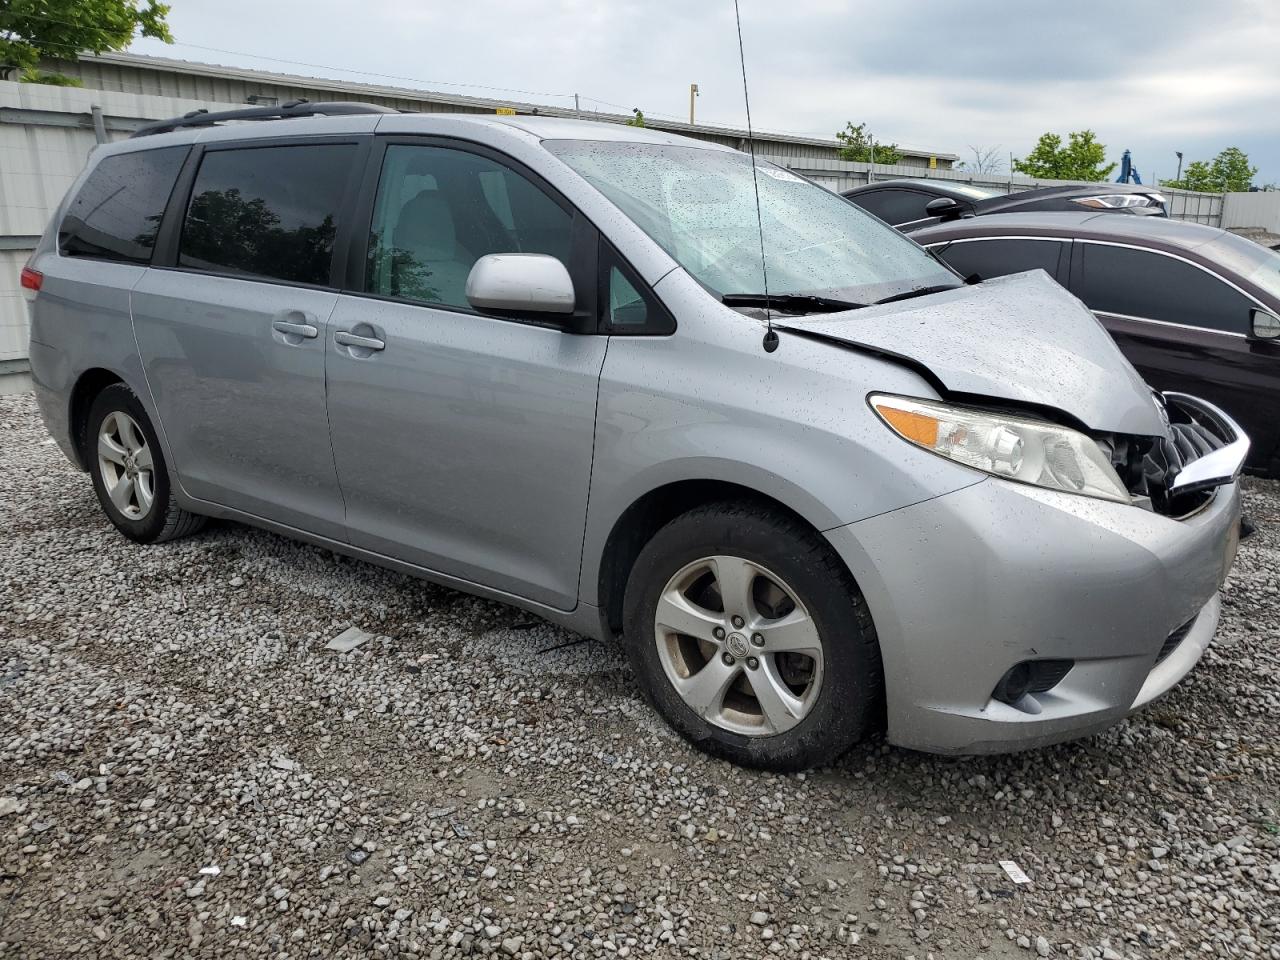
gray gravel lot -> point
(473, 783)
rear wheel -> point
(129, 472)
(749, 636)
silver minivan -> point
(817, 483)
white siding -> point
(39, 162)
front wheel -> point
(748, 635)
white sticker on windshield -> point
(779, 174)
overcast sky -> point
(1152, 75)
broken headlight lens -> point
(1015, 448)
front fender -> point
(793, 426)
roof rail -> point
(294, 108)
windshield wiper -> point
(789, 302)
(919, 292)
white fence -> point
(46, 134)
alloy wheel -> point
(738, 646)
(126, 466)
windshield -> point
(1256, 263)
(699, 205)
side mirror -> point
(947, 208)
(520, 283)
(1263, 325)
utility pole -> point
(1178, 153)
(871, 170)
(577, 111)
(693, 92)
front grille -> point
(1149, 466)
(1174, 639)
(1190, 441)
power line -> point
(303, 63)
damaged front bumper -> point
(966, 587)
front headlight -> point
(1117, 201)
(1015, 448)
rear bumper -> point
(964, 586)
(52, 382)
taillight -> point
(31, 279)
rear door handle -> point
(353, 340)
(305, 330)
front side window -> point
(1138, 283)
(117, 212)
(999, 258)
(699, 205)
(439, 210)
(267, 212)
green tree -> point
(1197, 176)
(1229, 171)
(1083, 158)
(31, 30)
(855, 144)
(637, 120)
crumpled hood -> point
(1020, 338)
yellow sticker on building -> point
(505, 111)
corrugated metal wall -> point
(46, 134)
(1252, 210)
(159, 76)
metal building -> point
(164, 77)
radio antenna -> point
(770, 335)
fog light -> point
(1030, 676)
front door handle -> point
(354, 340)
(304, 330)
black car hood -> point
(1020, 338)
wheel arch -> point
(88, 385)
(650, 511)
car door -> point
(463, 440)
(1185, 328)
(231, 326)
(987, 257)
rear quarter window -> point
(999, 258)
(116, 213)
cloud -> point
(1148, 75)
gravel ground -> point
(185, 770)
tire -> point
(780, 556)
(124, 458)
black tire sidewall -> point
(850, 701)
(118, 397)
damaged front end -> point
(1175, 475)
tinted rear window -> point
(117, 212)
(267, 211)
